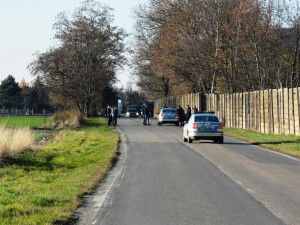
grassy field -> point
(43, 186)
(24, 121)
(288, 144)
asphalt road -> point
(159, 180)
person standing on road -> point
(109, 117)
(180, 111)
(188, 113)
(146, 115)
(115, 116)
(195, 110)
(113, 113)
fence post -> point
(266, 111)
(275, 111)
(297, 110)
(286, 126)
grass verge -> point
(24, 121)
(43, 187)
(288, 144)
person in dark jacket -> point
(188, 113)
(195, 110)
(180, 111)
(115, 116)
(146, 115)
(109, 116)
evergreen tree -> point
(9, 87)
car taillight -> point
(177, 115)
(220, 126)
(161, 115)
(194, 125)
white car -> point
(205, 126)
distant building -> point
(22, 104)
(26, 100)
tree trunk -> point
(295, 59)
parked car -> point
(132, 112)
(168, 115)
(205, 126)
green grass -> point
(37, 134)
(43, 187)
(288, 144)
(24, 121)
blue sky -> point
(26, 27)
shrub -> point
(68, 119)
(14, 140)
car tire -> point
(177, 123)
(216, 140)
(221, 140)
(158, 123)
(190, 140)
(185, 139)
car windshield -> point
(169, 111)
(131, 110)
(206, 119)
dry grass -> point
(68, 119)
(61, 134)
(14, 140)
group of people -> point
(112, 115)
(185, 117)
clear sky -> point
(26, 27)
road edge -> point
(96, 205)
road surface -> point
(159, 180)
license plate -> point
(169, 116)
(208, 127)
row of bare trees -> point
(206, 46)
(83, 63)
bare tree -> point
(84, 63)
(209, 45)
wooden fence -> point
(268, 111)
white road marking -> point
(239, 182)
(250, 191)
(104, 218)
(277, 153)
(102, 199)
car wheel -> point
(190, 140)
(177, 123)
(216, 140)
(158, 123)
(185, 139)
(221, 140)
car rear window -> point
(206, 119)
(169, 111)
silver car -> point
(205, 126)
(168, 115)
